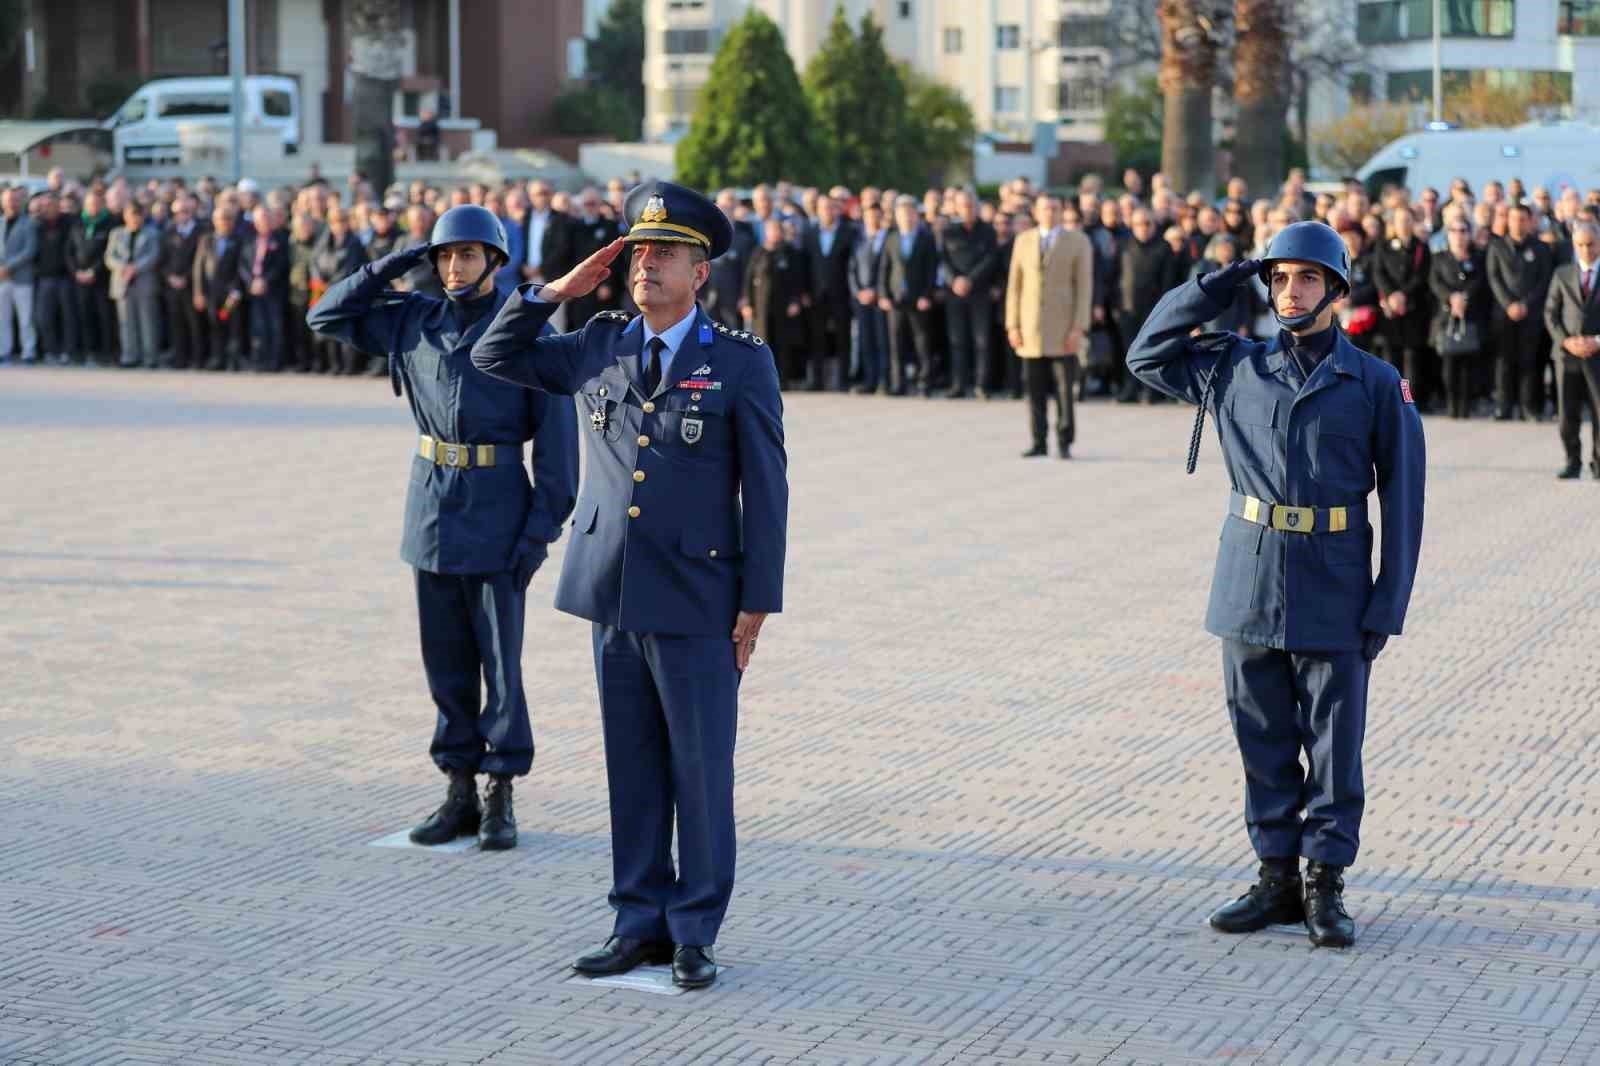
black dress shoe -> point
(1035, 451)
(1570, 472)
(1327, 922)
(1274, 899)
(1594, 470)
(694, 966)
(457, 816)
(1502, 416)
(1066, 451)
(623, 953)
(499, 829)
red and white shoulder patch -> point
(1405, 391)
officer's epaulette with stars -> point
(739, 335)
(611, 316)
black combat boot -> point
(1326, 920)
(499, 830)
(1273, 900)
(457, 816)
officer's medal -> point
(598, 420)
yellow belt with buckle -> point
(461, 456)
(1286, 519)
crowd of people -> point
(871, 290)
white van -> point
(1554, 155)
(145, 129)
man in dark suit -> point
(547, 234)
(264, 276)
(676, 558)
(906, 278)
(590, 231)
(179, 243)
(723, 292)
(968, 253)
(1147, 269)
(871, 340)
(828, 241)
(1520, 266)
(1572, 315)
(217, 294)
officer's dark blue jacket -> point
(682, 519)
(1351, 429)
(471, 521)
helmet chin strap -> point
(467, 292)
(1298, 322)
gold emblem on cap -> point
(655, 210)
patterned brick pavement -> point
(987, 791)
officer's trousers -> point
(1578, 385)
(471, 628)
(669, 710)
(1283, 703)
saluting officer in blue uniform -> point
(1309, 426)
(677, 547)
(475, 529)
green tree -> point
(582, 108)
(752, 122)
(615, 62)
(856, 93)
(1133, 125)
(936, 136)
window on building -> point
(952, 40)
(903, 9)
(1405, 86)
(1007, 99)
(1083, 84)
(1578, 18)
(1388, 21)
(1360, 86)
(1008, 36)
(1082, 31)
(686, 5)
(688, 42)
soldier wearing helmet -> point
(1310, 426)
(476, 529)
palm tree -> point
(1188, 74)
(1260, 92)
(374, 28)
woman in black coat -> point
(337, 255)
(1359, 316)
(1460, 288)
(774, 293)
(1401, 273)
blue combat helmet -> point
(469, 222)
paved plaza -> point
(987, 789)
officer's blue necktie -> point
(652, 365)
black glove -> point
(1219, 284)
(1372, 644)
(398, 264)
(532, 555)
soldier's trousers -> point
(471, 629)
(669, 708)
(1283, 703)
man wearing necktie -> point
(1049, 299)
(1572, 315)
(676, 556)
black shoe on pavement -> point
(1327, 922)
(1035, 451)
(457, 816)
(1594, 470)
(1570, 472)
(1275, 899)
(694, 966)
(1066, 451)
(621, 954)
(499, 829)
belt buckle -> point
(1294, 519)
(452, 455)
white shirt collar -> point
(673, 335)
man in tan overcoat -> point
(1048, 299)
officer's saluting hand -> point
(1310, 426)
(678, 546)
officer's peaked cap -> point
(469, 222)
(663, 211)
(1309, 242)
